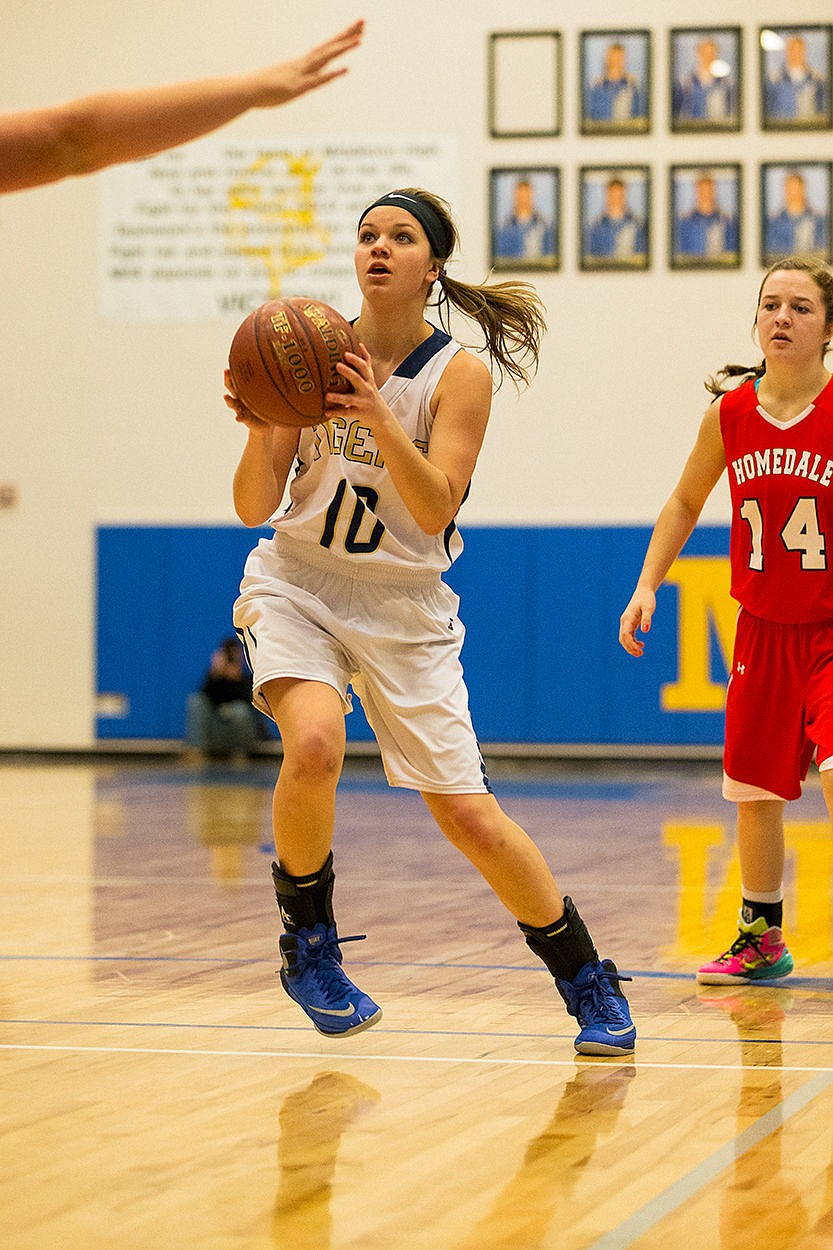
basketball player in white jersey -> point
(349, 591)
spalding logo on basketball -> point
(283, 359)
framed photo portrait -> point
(705, 216)
(525, 218)
(614, 217)
(795, 73)
(615, 77)
(795, 210)
(517, 59)
(705, 76)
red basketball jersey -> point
(780, 478)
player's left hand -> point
(290, 79)
(364, 400)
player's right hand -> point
(242, 414)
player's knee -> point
(471, 822)
(313, 753)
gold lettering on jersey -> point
(705, 611)
(354, 444)
(336, 428)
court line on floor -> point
(383, 1030)
(792, 982)
(477, 1060)
(680, 1191)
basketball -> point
(283, 359)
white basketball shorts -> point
(390, 633)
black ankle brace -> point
(773, 913)
(565, 946)
(305, 901)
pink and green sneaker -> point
(757, 954)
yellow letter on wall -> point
(703, 583)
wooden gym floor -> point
(160, 1091)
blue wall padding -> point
(541, 608)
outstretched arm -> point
(38, 146)
(674, 525)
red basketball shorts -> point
(779, 706)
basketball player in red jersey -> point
(774, 435)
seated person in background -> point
(220, 718)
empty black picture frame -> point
(525, 84)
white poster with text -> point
(218, 227)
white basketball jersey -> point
(342, 499)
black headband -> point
(435, 229)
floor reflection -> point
(758, 1177)
(312, 1123)
(226, 820)
(537, 1199)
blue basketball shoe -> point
(596, 1000)
(311, 974)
